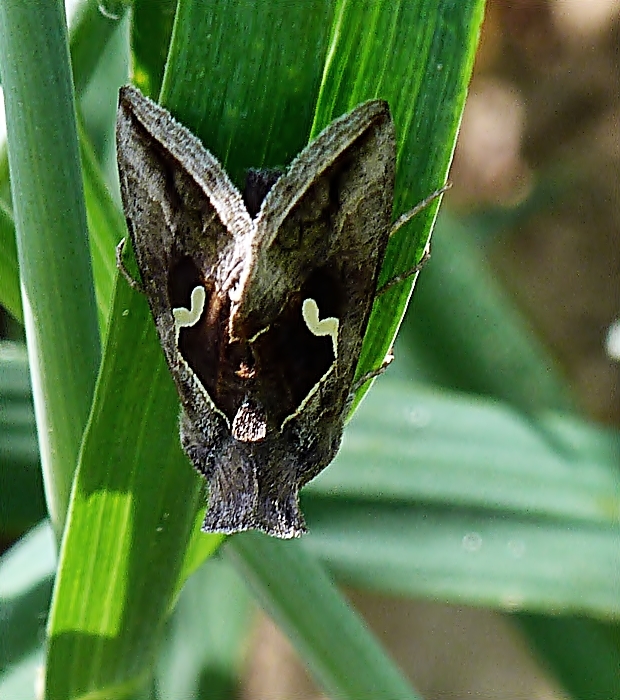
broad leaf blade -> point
(131, 515)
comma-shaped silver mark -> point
(328, 326)
(185, 318)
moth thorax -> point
(250, 423)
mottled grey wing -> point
(186, 220)
(321, 234)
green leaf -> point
(52, 242)
(26, 577)
(583, 653)
(92, 26)
(335, 643)
(131, 515)
(207, 636)
(460, 500)
(151, 30)
(106, 226)
(466, 333)
(10, 296)
(21, 489)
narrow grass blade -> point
(52, 242)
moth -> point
(261, 299)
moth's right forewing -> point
(334, 142)
(332, 207)
(321, 237)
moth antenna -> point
(398, 224)
(134, 284)
(372, 374)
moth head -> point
(258, 183)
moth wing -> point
(321, 235)
(185, 219)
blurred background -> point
(534, 196)
(539, 141)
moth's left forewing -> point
(178, 201)
(189, 226)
